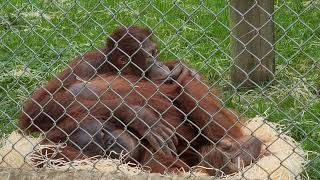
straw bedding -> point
(284, 158)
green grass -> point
(38, 39)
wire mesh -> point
(39, 39)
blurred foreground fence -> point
(261, 54)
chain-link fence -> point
(141, 96)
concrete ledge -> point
(18, 174)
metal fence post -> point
(252, 42)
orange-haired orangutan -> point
(122, 99)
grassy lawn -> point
(38, 39)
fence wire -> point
(120, 111)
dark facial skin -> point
(156, 70)
(133, 52)
(95, 138)
(230, 155)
